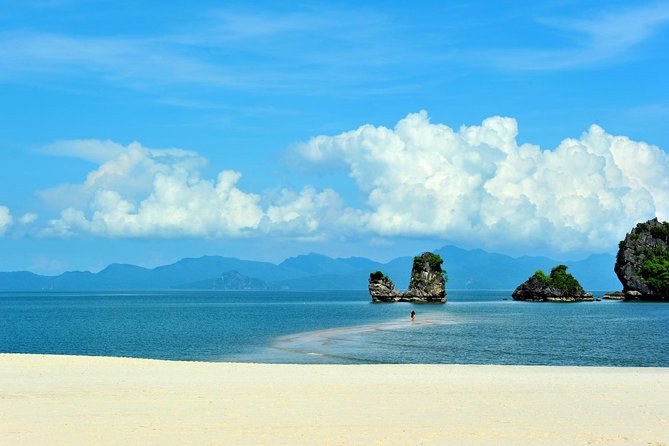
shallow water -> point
(477, 327)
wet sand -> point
(92, 400)
(324, 346)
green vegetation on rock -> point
(560, 279)
(559, 286)
(541, 276)
(655, 270)
(427, 283)
(661, 231)
(434, 260)
(378, 275)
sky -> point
(145, 132)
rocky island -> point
(427, 284)
(642, 263)
(559, 286)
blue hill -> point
(467, 269)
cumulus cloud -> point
(6, 220)
(143, 192)
(309, 215)
(477, 185)
(474, 186)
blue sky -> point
(143, 134)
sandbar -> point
(72, 400)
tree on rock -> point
(564, 281)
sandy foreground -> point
(92, 400)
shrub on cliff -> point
(661, 231)
(655, 270)
(560, 279)
(540, 276)
(378, 275)
(434, 260)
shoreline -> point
(234, 362)
(50, 399)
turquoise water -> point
(474, 327)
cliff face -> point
(560, 286)
(642, 263)
(427, 280)
(427, 284)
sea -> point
(334, 327)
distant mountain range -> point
(467, 269)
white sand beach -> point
(69, 400)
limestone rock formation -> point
(642, 263)
(427, 284)
(382, 289)
(560, 286)
(615, 295)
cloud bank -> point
(474, 186)
(143, 192)
(477, 185)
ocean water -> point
(474, 327)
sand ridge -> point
(97, 400)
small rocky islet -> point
(642, 265)
(559, 286)
(427, 284)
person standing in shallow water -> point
(413, 315)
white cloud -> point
(131, 172)
(472, 186)
(476, 185)
(144, 192)
(6, 220)
(312, 214)
(28, 218)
